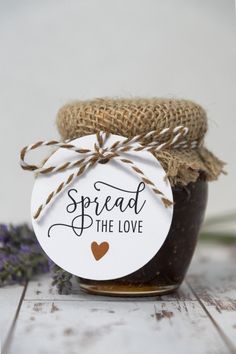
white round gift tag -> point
(107, 223)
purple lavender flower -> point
(21, 256)
(4, 234)
(25, 248)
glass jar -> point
(166, 270)
(189, 168)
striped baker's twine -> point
(103, 154)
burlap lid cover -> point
(130, 117)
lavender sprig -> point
(21, 256)
(62, 280)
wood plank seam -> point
(225, 338)
(7, 342)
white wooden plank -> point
(91, 327)
(40, 288)
(213, 279)
(9, 301)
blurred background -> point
(55, 51)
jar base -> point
(128, 290)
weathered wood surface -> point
(199, 318)
(212, 278)
(10, 300)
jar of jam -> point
(189, 171)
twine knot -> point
(175, 138)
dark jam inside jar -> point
(166, 270)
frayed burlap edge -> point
(129, 117)
(185, 167)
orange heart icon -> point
(99, 250)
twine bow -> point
(104, 154)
